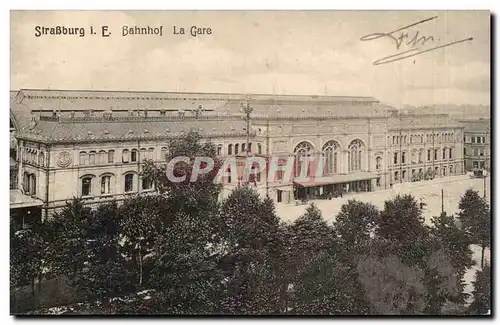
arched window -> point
(451, 170)
(450, 152)
(259, 148)
(420, 156)
(164, 154)
(435, 154)
(83, 158)
(126, 155)
(86, 186)
(330, 154)
(303, 149)
(378, 163)
(250, 147)
(106, 184)
(129, 183)
(92, 158)
(133, 155)
(111, 156)
(242, 147)
(403, 157)
(219, 150)
(144, 154)
(230, 149)
(414, 156)
(29, 184)
(151, 153)
(444, 153)
(236, 148)
(354, 155)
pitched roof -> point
(129, 129)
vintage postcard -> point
(250, 163)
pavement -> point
(429, 191)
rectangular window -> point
(395, 158)
(475, 164)
(465, 151)
(478, 139)
(481, 164)
(133, 156)
(473, 140)
(428, 155)
(219, 150)
(86, 186)
(378, 181)
(436, 154)
(111, 156)
(450, 153)
(129, 182)
(92, 158)
(105, 185)
(476, 152)
(481, 152)
(396, 176)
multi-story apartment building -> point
(477, 148)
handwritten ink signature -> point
(400, 35)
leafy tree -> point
(400, 230)
(323, 284)
(391, 287)
(180, 228)
(104, 272)
(355, 225)
(455, 244)
(141, 224)
(252, 260)
(441, 282)
(187, 196)
(65, 234)
(481, 304)
(26, 257)
(476, 220)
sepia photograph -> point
(250, 163)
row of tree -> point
(197, 255)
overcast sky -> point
(258, 52)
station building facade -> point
(91, 144)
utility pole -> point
(442, 201)
(400, 148)
(248, 110)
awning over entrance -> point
(335, 179)
(19, 200)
